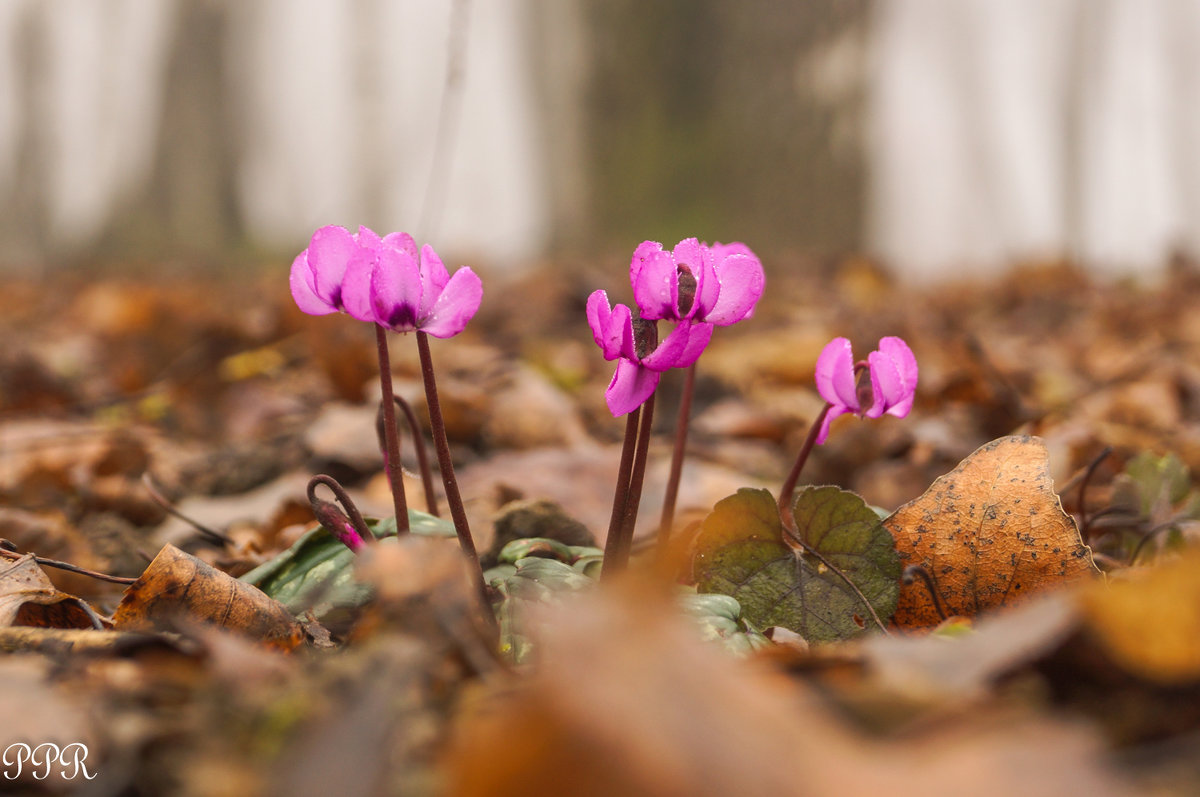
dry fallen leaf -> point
(626, 699)
(1149, 620)
(27, 598)
(177, 588)
(989, 533)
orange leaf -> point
(989, 533)
(27, 598)
(178, 587)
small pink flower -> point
(638, 371)
(893, 370)
(718, 284)
(385, 281)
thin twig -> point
(169, 508)
(83, 571)
(1084, 519)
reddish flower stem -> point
(442, 445)
(681, 433)
(419, 446)
(621, 495)
(789, 484)
(392, 460)
(636, 479)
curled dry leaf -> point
(27, 598)
(989, 533)
(177, 588)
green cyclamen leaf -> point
(317, 572)
(740, 551)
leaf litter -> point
(1086, 684)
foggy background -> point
(942, 136)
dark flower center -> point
(687, 288)
(645, 337)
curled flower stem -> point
(418, 445)
(621, 495)
(913, 572)
(391, 436)
(442, 444)
(343, 499)
(681, 433)
(789, 484)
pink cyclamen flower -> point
(384, 280)
(718, 284)
(638, 371)
(893, 370)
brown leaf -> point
(626, 699)
(1149, 621)
(178, 587)
(28, 598)
(989, 533)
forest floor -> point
(222, 397)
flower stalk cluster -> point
(697, 287)
(388, 282)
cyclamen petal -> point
(356, 286)
(741, 282)
(894, 376)
(631, 385)
(329, 251)
(670, 350)
(612, 328)
(656, 286)
(300, 280)
(456, 306)
(434, 277)
(833, 412)
(395, 290)
(835, 375)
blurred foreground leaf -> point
(741, 551)
(317, 572)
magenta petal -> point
(433, 279)
(708, 286)
(329, 252)
(395, 290)
(898, 352)
(300, 281)
(834, 412)
(699, 335)
(741, 279)
(356, 285)
(368, 238)
(669, 351)
(656, 287)
(893, 378)
(630, 387)
(612, 328)
(835, 375)
(401, 240)
(456, 306)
